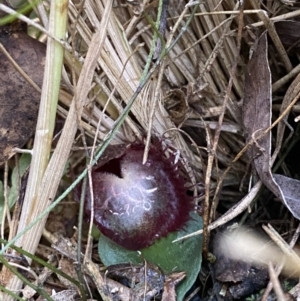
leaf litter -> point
(257, 119)
(187, 105)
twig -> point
(212, 151)
(276, 284)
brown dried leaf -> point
(290, 189)
(257, 105)
(257, 112)
(169, 293)
(257, 117)
(19, 101)
(146, 281)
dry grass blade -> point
(52, 176)
(277, 288)
(192, 99)
(43, 137)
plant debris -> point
(217, 82)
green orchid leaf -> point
(185, 255)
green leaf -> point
(185, 255)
